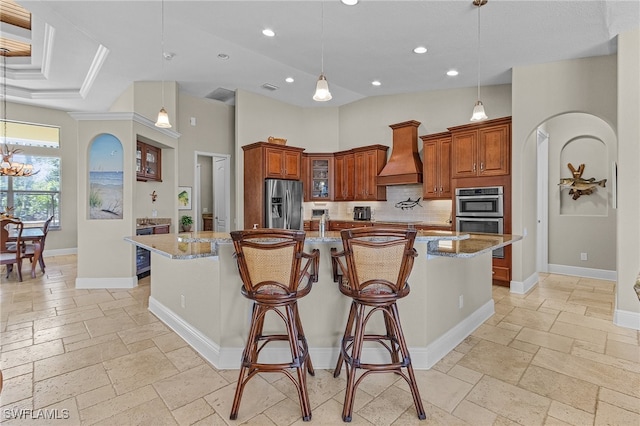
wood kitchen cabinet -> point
(344, 176)
(369, 161)
(262, 161)
(339, 225)
(207, 222)
(161, 229)
(481, 149)
(319, 177)
(148, 162)
(437, 166)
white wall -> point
(588, 224)
(628, 177)
(541, 92)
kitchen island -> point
(195, 290)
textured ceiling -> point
(86, 53)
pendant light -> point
(9, 167)
(163, 117)
(478, 109)
(322, 86)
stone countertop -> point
(169, 246)
(476, 244)
(142, 223)
(191, 245)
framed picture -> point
(184, 198)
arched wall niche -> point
(587, 226)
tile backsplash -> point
(429, 211)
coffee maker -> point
(362, 213)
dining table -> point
(34, 235)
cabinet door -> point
(152, 162)
(444, 164)
(274, 163)
(139, 165)
(494, 151)
(370, 175)
(464, 154)
(291, 161)
(360, 175)
(344, 177)
(430, 169)
(320, 170)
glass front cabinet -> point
(320, 177)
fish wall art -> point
(579, 186)
(408, 204)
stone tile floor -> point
(551, 357)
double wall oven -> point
(481, 210)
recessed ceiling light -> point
(223, 56)
(349, 2)
(289, 80)
(376, 83)
(268, 32)
(420, 49)
(452, 73)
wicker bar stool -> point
(274, 277)
(378, 264)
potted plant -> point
(186, 222)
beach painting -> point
(105, 178)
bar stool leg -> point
(346, 337)
(353, 362)
(302, 338)
(249, 357)
(300, 359)
(413, 384)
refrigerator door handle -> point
(287, 218)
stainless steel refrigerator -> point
(283, 204)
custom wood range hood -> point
(404, 166)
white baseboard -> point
(426, 357)
(95, 283)
(627, 319)
(523, 287)
(422, 358)
(600, 274)
(60, 252)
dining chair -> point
(275, 273)
(29, 249)
(9, 255)
(372, 270)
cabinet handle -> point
(481, 167)
(440, 189)
(474, 167)
(435, 189)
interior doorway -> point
(212, 189)
(542, 234)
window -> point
(37, 197)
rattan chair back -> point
(377, 261)
(270, 262)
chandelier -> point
(9, 167)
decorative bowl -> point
(277, 141)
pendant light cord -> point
(162, 47)
(478, 48)
(5, 53)
(322, 38)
